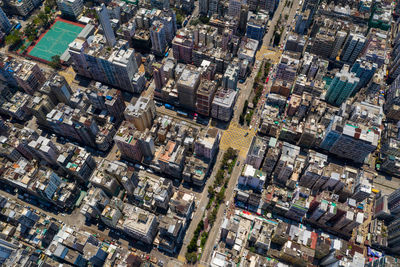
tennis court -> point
(56, 40)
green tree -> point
(14, 38)
(55, 62)
(30, 32)
(204, 237)
(277, 39)
(44, 18)
(179, 19)
(211, 191)
(194, 22)
(221, 196)
(213, 216)
(241, 118)
(204, 19)
(47, 10)
(191, 257)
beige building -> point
(139, 224)
(187, 87)
(141, 114)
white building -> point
(114, 65)
(256, 152)
(206, 146)
(252, 178)
(70, 8)
(45, 149)
(222, 105)
(230, 78)
(21, 7)
(362, 188)
(139, 224)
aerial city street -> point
(221, 133)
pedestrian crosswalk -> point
(238, 138)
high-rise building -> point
(141, 114)
(5, 24)
(394, 67)
(230, 78)
(269, 5)
(158, 75)
(127, 143)
(39, 106)
(104, 18)
(392, 104)
(362, 188)
(70, 8)
(339, 40)
(158, 37)
(60, 91)
(353, 47)
(114, 65)
(223, 103)
(323, 43)
(182, 46)
(299, 205)
(160, 4)
(342, 86)
(349, 141)
(73, 124)
(252, 177)
(303, 22)
(256, 152)
(203, 7)
(287, 68)
(393, 235)
(364, 70)
(115, 103)
(21, 7)
(255, 26)
(394, 202)
(205, 96)
(213, 7)
(44, 149)
(244, 13)
(187, 87)
(23, 73)
(296, 43)
(234, 7)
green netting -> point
(56, 40)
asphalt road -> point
(245, 94)
(291, 12)
(200, 208)
(268, 36)
(213, 236)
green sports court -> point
(56, 40)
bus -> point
(182, 114)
